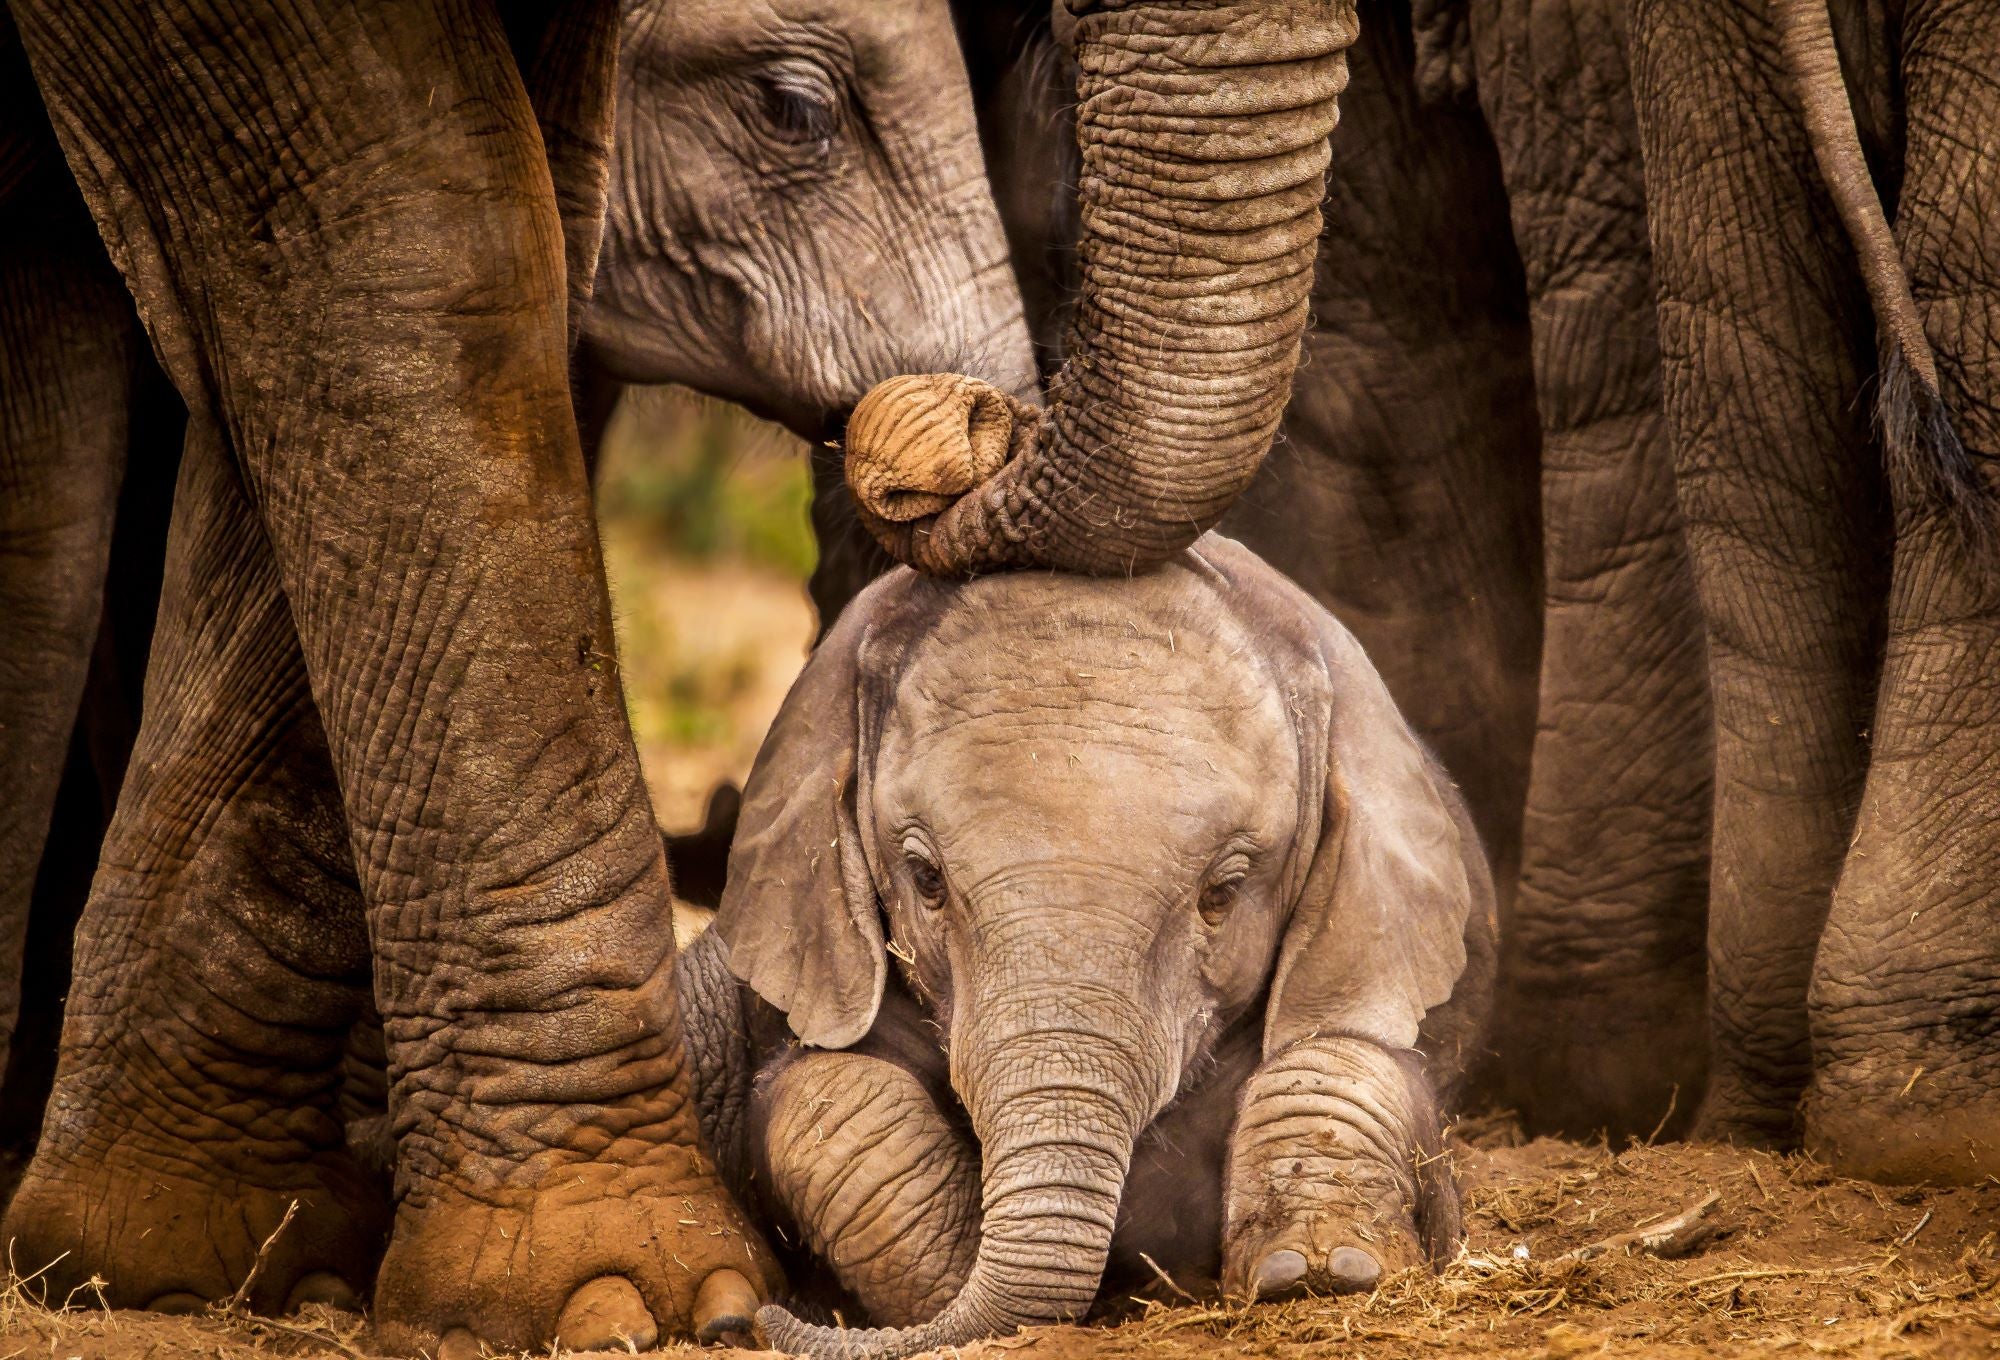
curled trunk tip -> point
(917, 442)
(793, 1336)
(1202, 134)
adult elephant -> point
(369, 333)
(1822, 219)
(368, 324)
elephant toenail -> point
(726, 1303)
(323, 1286)
(458, 1344)
(1278, 1272)
(179, 1301)
(606, 1314)
(1351, 1270)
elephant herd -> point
(1587, 705)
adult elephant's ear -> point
(798, 911)
(1394, 879)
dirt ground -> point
(1802, 1263)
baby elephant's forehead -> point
(1115, 658)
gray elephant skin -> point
(1084, 919)
(384, 764)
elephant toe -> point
(1287, 1273)
(1351, 1270)
(1279, 1274)
(178, 1302)
(606, 1314)
(726, 1303)
(325, 1287)
(458, 1344)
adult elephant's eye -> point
(927, 879)
(1217, 899)
(801, 104)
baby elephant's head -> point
(1093, 822)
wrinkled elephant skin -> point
(1030, 858)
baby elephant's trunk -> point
(1056, 1136)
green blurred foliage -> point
(704, 481)
(703, 509)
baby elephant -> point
(1085, 920)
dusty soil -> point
(1803, 1263)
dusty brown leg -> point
(1600, 1018)
(387, 356)
(1905, 998)
(1766, 343)
(220, 964)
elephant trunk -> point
(1203, 134)
(1056, 1134)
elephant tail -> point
(1929, 466)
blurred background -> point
(703, 511)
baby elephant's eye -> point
(928, 881)
(1217, 899)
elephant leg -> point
(882, 1186)
(1905, 999)
(1602, 982)
(365, 291)
(1765, 338)
(66, 351)
(720, 1054)
(1402, 493)
(220, 963)
(1337, 1172)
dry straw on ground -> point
(1798, 1263)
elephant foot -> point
(163, 1240)
(1595, 1063)
(1739, 1112)
(1337, 1176)
(1903, 1141)
(1337, 1233)
(590, 1257)
(1905, 995)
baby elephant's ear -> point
(798, 910)
(1377, 936)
